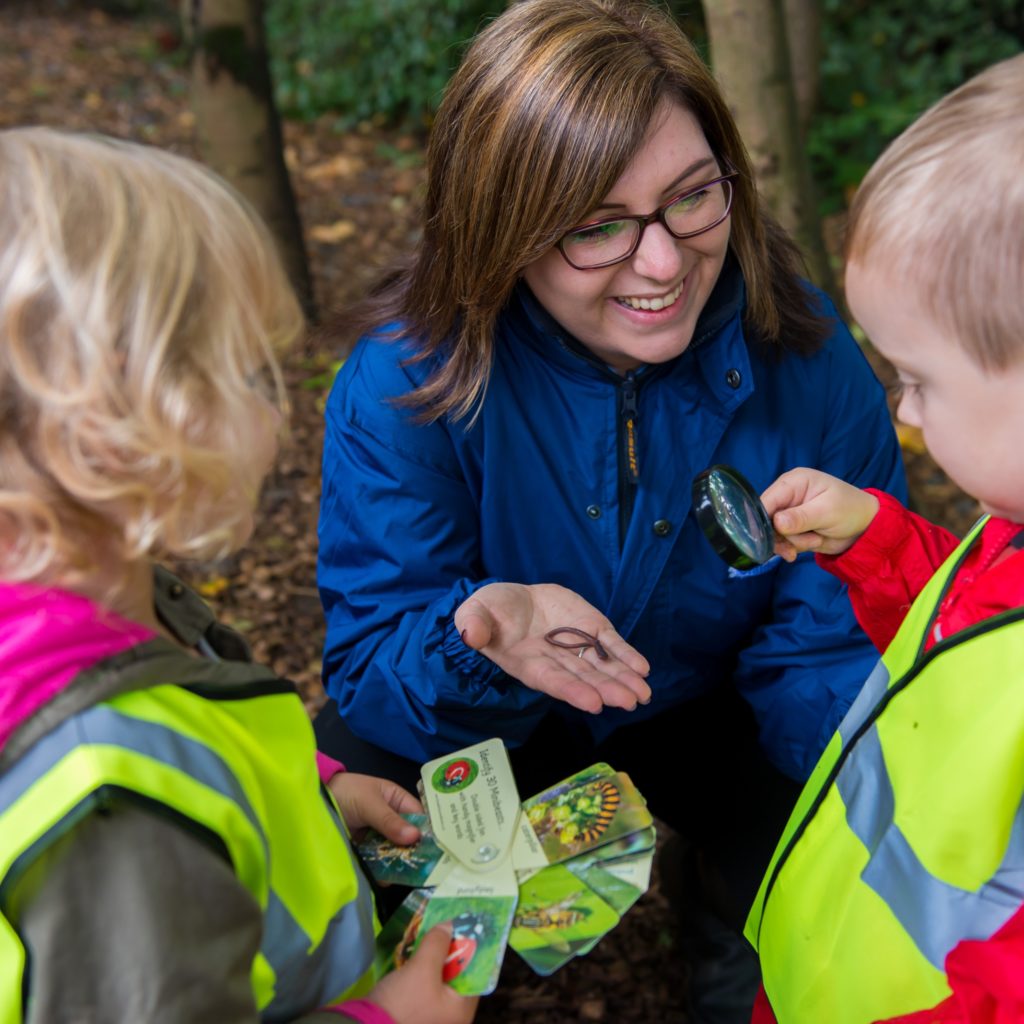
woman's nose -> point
(657, 256)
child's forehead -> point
(895, 312)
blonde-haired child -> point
(897, 892)
(167, 852)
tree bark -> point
(803, 34)
(237, 124)
(750, 55)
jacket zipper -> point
(629, 453)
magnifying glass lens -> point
(730, 513)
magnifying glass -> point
(731, 516)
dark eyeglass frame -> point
(645, 220)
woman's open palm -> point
(508, 623)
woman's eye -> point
(689, 202)
(597, 233)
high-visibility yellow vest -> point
(238, 763)
(909, 836)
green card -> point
(557, 917)
(585, 812)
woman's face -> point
(601, 308)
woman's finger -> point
(624, 652)
(475, 624)
(585, 685)
(618, 686)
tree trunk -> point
(238, 128)
(750, 55)
(803, 34)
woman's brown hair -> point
(546, 111)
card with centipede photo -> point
(584, 812)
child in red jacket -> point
(897, 892)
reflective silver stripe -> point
(935, 914)
(340, 960)
(342, 955)
(103, 724)
(864, 703)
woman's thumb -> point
(474, 624)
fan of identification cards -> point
(548, 877)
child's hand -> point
(812, 511)
(365, 800)
(415, 993)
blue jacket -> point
(415, 517)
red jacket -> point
(885, 570)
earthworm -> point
(588, 641)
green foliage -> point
(386, 60)
(885, 63)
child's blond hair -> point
(140, 300)
(942, 212)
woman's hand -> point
(507, 622)
(366, 801)
(415, 992)
(812, 511)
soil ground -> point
(72, 65)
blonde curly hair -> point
(141, 303)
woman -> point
(599, 309)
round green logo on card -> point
(454, 775)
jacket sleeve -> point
(399, 552)
(889, 565)
(986, 981)
(805, 664)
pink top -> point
(364, 1011)
(36, 671)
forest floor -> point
(70, 65)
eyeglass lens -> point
(688, 214)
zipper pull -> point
(629, 415)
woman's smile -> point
(653, 303)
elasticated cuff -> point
(327, 767)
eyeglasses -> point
(690, 213)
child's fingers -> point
(392, 826)
(798, 542)
(793, 522)
(430, 956)
(787, 491)
(432, 950)
(816, 513)
(784, 549)
(400, 799)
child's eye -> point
(900, 388)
